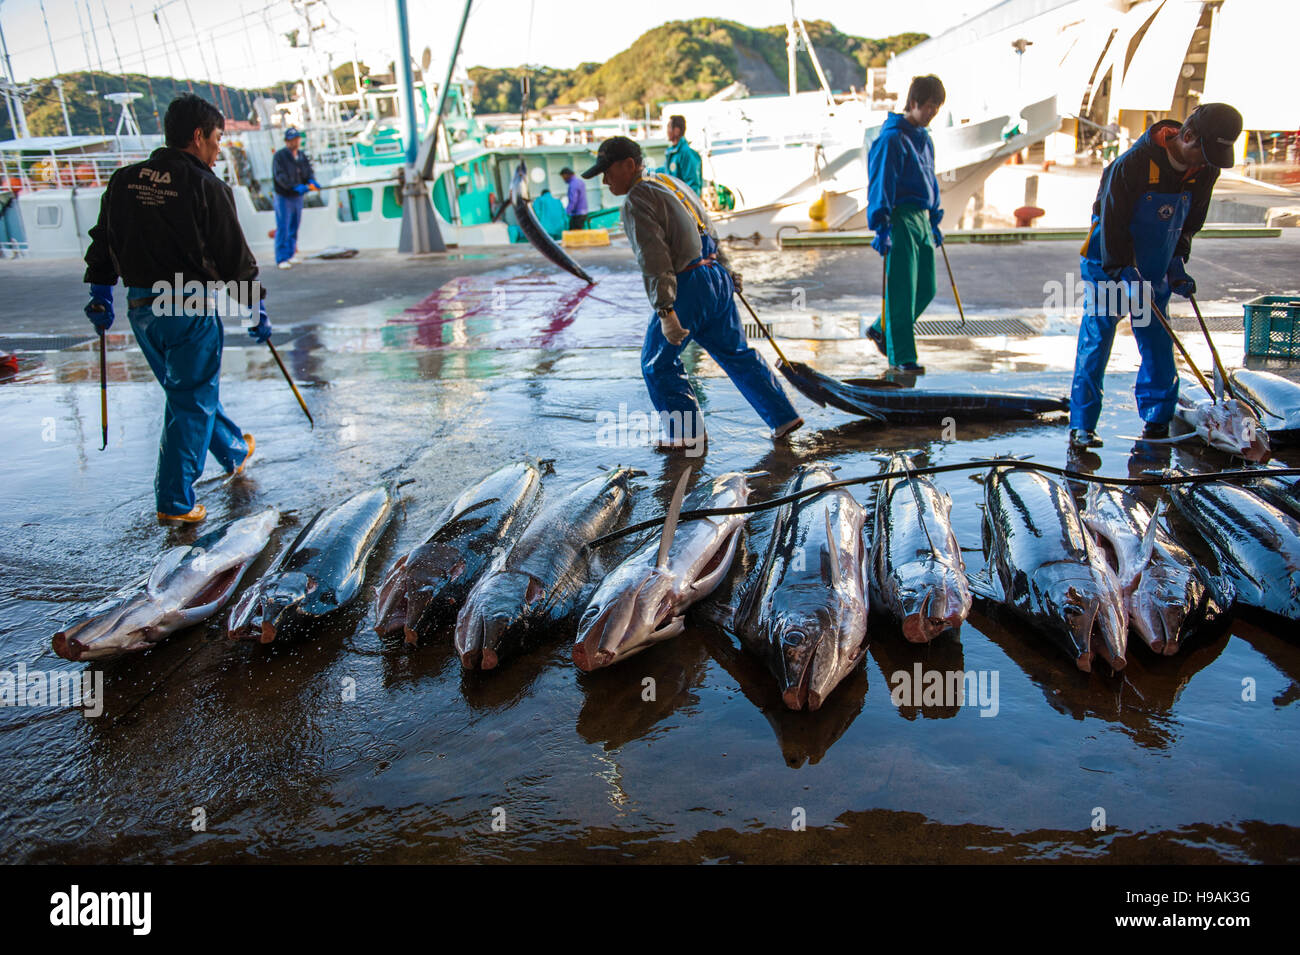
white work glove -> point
(672, 328)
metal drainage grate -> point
(41, 342)
(974, 327)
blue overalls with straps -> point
(706, 307)
(1155, 225)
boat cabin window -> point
(48, 217)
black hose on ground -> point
(1155, 480)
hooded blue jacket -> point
(900, 169)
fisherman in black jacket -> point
(168, 228)
(294, 178)
(1151, 201)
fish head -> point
(1090, 618)
(273, 603)
(933, 598)
(429, 570)
(803, 656)
(131, 624)
(1163, 605)
(494, 614)
(1231, 426)
(624, 618)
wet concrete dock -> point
(350, 747)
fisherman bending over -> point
(1151, 201)
(903, 210)
(691, 287)
(166, 218)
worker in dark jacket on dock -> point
(1151, 201)
(294, 178)
(167, 227)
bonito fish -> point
(321, 572)
(917, 571)
(806, 615)
(426, 588)
(1276, 399)
(188, 585)
(1257, 543)
(643, 600)
(1170, 597)
(538, 582)
(1045, 567)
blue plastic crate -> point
(1273, 326)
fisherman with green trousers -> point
(903, 210)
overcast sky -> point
(241, 42)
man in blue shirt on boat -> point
(294, 178)
(576, 206)
(680, 160)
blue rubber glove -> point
(314, 184)
(302, 189)
(100, 309)
(261, 332)
(1179, 281)
(936, 216)
(882, 242)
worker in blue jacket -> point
(293, 178)
(1151, 201)
(903, 210)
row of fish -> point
(505, 571)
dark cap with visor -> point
(1217, 125)
(615, 149)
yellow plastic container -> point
(578, 238)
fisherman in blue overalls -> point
(691, 287)
(1152, 200)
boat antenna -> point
(99, 109)
(144, 61)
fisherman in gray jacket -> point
(691, 287)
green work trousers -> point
(910, 282)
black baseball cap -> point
(1217, 125)
(612, 150)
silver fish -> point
(643, 600)
(1258, 544)
(188, 585)
(917, 571)
(319, 573)
(1045, 566)
(806, 615)
(1169, 595)
(1276, 399)
(536, 585)
(425, 589)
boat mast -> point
(13, 97)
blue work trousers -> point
(288, 216)
(706, 308)
(1105, 304)
(184, 352)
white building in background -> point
(1123, 62)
